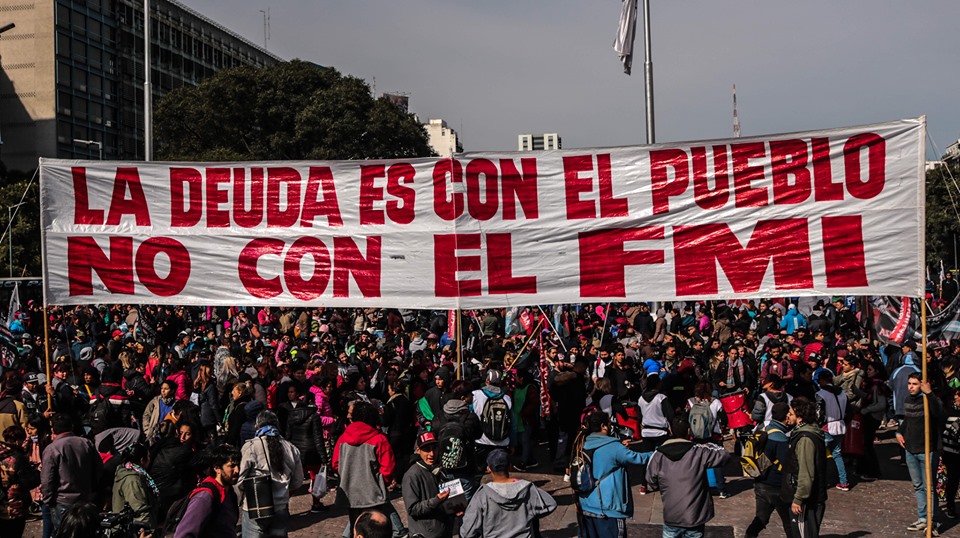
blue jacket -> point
(793, 320)
(898, 383)
(612, 497)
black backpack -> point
(179, 507)
(496, 418)
(103, 415)
(454, 446)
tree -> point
(288, 111)
(943, 216)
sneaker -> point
(520, 468)
(892, 425)
(566, 477)
(950, 513)
(643, 490)
(317, 508)
(866, 478)
(843, 487)
(936, 530)
(724, 495)
(918, 525)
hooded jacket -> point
(287, 475)
(365, 461)
(612, 497)
(506, 510)
(426, 516)
(679, 470)
(131, 488)
(898, 382)
(249, 427)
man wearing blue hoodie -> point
(607, 507)
(793, 320)
(900, 377)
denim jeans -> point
(682, 532)
(275, 525)
(916, 464)
(833, 446)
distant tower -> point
(736, 119)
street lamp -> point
(91, 143)
(10, 233)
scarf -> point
(140, 471)
(731, 368)
(268, 431)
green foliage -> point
(287, 111)
(943, 216)
(26, 228)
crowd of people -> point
(193, 421)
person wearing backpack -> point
(656, 414)
(766, 486)
(772, 394)
(211, 509)
(268, 453)
(677, 470)
(17, 477)
(457, 435)
(832, 407)
(495, 410)
(604, 491)
(703, 418)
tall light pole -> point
(10, 234)
(147, 90)
(91, 143)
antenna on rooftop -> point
(266, 27)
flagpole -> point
(46, 350)
(648, 72)
(459, 347)
(926, 422)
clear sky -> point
(495, 68)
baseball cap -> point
(498, 461)
(426, 439)
(493, 377)
(116, 333)
(31, 378)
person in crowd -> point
(170, 464)
(269, 454)
(135, 489)
(212, 510)
(365, 461)
(494, 408)
(703, 413)
(773, 393)
(951, 452)
(398, 422)
(158, 410)
(426, 515)
(235, 415)
(656, 415)
(505, 506)
(81, 521)
(371, 524)
(833, 402)
(805, 470)
(207, 398)
(16, 474)
(12, 410)
(910, 435)
(606, 509)
(302, 428)
(526, 416)
(71, 466)
(676, 469)
(777, 363)
(873, 412)
(899, 378)
(767, 486)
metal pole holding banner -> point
(459, 347)
(147, 89)
(46, 350)
(926, 421)
(648, 72)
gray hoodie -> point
(505, 510)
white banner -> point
(835, 212)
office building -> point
(72, 73)
(444, 140)
(538, 142)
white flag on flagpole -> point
(626, 33)
(14, 306)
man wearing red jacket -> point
(365, 461)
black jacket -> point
(304, 431)
(171, 468)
